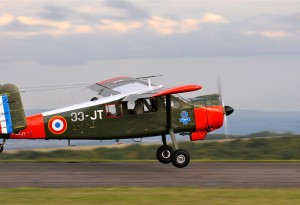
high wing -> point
(137, 88)
(121, 85)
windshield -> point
(207, 100)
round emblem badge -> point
(57, 125)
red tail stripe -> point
(35, 129)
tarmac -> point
(152, 174)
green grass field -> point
(186, 196)
(285, 148)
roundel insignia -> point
(57, 125)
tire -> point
(1, 148)
(180, 158)
(164, 154)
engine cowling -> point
(209, 115)
(196, 136)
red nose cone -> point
(228, 110)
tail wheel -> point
(164, 154)
(1, 148)
(180, 158)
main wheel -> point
(164, 154)
(180, 158)
(1, 148)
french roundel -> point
(57, 125)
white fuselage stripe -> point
(85, 105)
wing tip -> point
(179, 89)
(113, 80)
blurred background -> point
(252, 46)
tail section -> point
(12, 115)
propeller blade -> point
(227, 109)
(220, 92)
(226, 127)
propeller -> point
(227, 109)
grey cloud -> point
(131, 10)
(295, 17)
(16, 26)
(290, 22)
(79, 49)
(210, 40)
(56, 13)
(19, 27)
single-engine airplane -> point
(127, 108)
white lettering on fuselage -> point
(80, 116)
(97, 113)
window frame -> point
(116, 115)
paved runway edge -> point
(200, 175)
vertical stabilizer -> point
(12, 115)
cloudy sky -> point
(253, 46)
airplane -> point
(126, 108)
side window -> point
(130, 106)
(175, 102)
(142, 106)
(150, 105)
(114, 110)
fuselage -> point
(112, 118)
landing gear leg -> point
(2, 145)
(180, 158)
(164, 153)
(172, 134)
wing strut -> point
(169, 112)
(169, 121)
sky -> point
(252, 46)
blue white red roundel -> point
(57, 125)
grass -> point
(278, 149)
(174, 196)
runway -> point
(201, 175)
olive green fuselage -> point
(96, 122)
